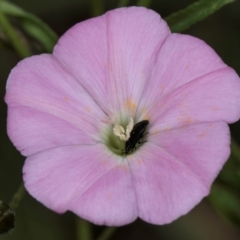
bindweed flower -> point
(72, 114)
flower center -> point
(125, 140)
(123, 134)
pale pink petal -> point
(212, 97)
(83, 50)
(40, 85)
(88, 180)
(33, 131)
(111, 200)
(173, 171)
(203, 147)
(181, 60)
(112, 55)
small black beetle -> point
(135, 135)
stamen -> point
(120, 131)
(129, 128)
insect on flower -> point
(136, 135)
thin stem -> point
(17, 197)
(107, 233)
(197, 11)
(83, 229)
(97, 7)
(13, 37)
(144, 3)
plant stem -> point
(83, 229)
(17, 197)
(107, 233)
(97, 7)
(144, 3)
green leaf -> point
(230, 174)
(144, 3)
(196, 12)
(226, 202)
(34, 26)
(16, 42)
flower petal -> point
(183, 59)
(203, 147)
(174, 170)
(33, 131)
(41, 84)
(112, 55)
(87, 180)
(212, 97)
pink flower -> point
(67, 112)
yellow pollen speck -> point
(124, 167)
(139, 162)
(109, 197)
(105, 163)
(182, 104)
(214, 109)
(157, 131)
(159, 175)
(84, 119)
(146, 117)
(88, 109)
(108, 67)
(65, 99)
(131, 105)
(179, 118)
(186, 120)
(202, 134)
(189, 120)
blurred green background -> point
(33, 221)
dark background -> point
(34, 222)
